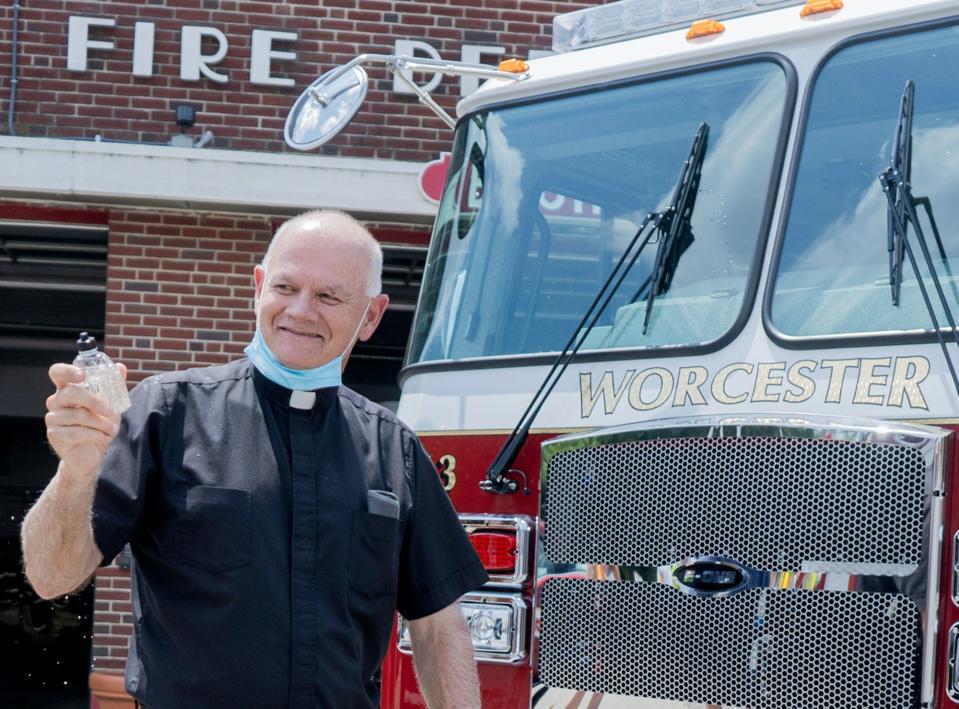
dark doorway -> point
(45, 645)
(52, 285)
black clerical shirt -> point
(261, 576)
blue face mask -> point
(326, 375)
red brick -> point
(108, 665)
(113, 640)
(106, 617)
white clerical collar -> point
(302, 399)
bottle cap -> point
(86, 342)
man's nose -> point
(302, 306)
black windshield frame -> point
(759, 250)
(860, 339)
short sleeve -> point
(437, 561)
(130, 461)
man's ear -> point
(259, 277)
(374, 314)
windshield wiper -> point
(676, 232)
(896, 182)
(901, 213)
(662, 225)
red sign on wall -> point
(433, 177)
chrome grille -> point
(768, 502)
(742, 561)
(759, 648)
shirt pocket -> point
(214, 534)
(373, 555)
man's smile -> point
(300, 333)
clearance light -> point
(497, 551)
(637, 18)
(815, 7)
(513, 66)
(502, 544)
(705, 28)
(497, 625)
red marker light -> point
(497, 551)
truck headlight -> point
(497, 625)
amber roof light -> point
(705, 28)
(815, 7)
(513, 66)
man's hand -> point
(59, 551)
(443, 659)
(80, 425)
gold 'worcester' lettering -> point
(611, 395)
(878, 381)
(909, 373)
(688, 383)
(665, 388)
(838, 369)
(719, 383)
(768, 374)
(868, 379)
(796, 378)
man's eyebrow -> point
(335, 289)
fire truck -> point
(685, 353)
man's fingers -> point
(123, 370)
(66, 436)
(81, 418)
(62, 374)
(77, 396)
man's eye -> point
(329, 299)
(283, 288)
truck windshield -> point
(834, 267)
(542, 198)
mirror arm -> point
(424, 97)
(397, 64)
(355, 61)
(454, 68)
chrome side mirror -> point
(328, 104)
(325, 107)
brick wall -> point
(180, 287)
(112, 620)
(109, 100)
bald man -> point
(277, 519)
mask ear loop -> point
(356, 333)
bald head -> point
(317, 291)
(335, 226)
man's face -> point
(312, 299)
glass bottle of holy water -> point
(101, 374)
